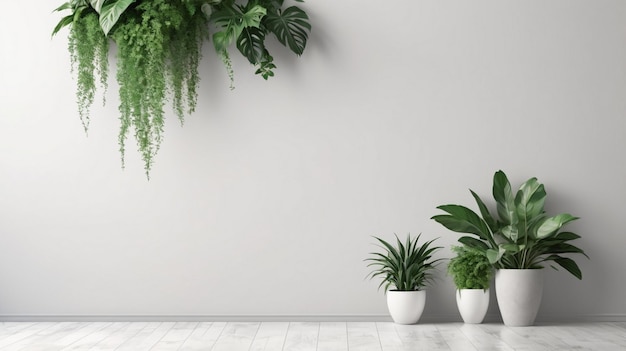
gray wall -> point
(263, 205)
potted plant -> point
(406, 269)
(518, 241)
(471, 271)
(159, 46)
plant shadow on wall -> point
(159, 49)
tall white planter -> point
(472, 304)
(406, 307)
(519, 292)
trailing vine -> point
(159, 46)
(89, 50)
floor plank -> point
(176, 336)
(333, 336)
(270, 337)
(363, 336)
(117, 338)
(145, 339)
(236, 336)
(482, 340)
(204, 336)
(55, 337)
(302, 336)
(421, 337)
(17, 333)
(389, 338)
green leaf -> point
(291, 27)
(566, 248)
(512, 247)
(221, 40)
(551, 225)
(67, 20)
(504, 198)
(266, 66)
(77, 8)
(233, 23)
(463, 220)
(473, 243)
(485, 213)
(65, 6)
(510, 232)
(565, 236)
(97, 4)
(110, 13)
(529, 203)
(569, 265)
(251, 44)
(530, 199)
(252, 17)
(494, 255)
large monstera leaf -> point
(251, 44)
(233, 22)
(291, 27)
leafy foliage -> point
(159, 49)
(521, 236)
(248, 25)
(89, 58)
(290, 26)
(470, 268)
(110, 12)
(405, 266)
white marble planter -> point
(472, 304)
(406, 307)
(519, 293)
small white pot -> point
(472, 304)
(406, 307)
(519, 292)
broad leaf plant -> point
(520, 235)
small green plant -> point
(470, 268)
(405, 267)
(521, 236)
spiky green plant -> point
(406, 267)
(470, 268)
(521, 236)
(159, 49)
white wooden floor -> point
(276, 336)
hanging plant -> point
(159, 46)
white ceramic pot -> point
(519, 292)
(406, 307)
(472, 304)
